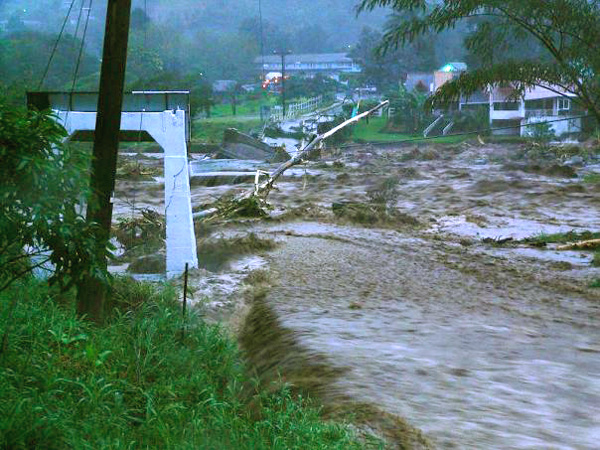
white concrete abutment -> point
(167, 121)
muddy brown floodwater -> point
(478, 345)
(476, 351)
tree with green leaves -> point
(566, 31)
(410, 116)
(386, 70)
(43, 187)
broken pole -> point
(91, 291)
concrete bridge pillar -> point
(168, 129)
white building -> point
(329, 64)
(537, 104)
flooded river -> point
(473, 356)
(480, 346)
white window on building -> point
(563, 104)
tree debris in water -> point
(254, 203)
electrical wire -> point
(55, 46)
(79, 19)
(262, 40)
(79, 56)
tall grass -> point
(133, 383)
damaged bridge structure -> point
(149, 116)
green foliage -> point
(470, 120)
(592, 178)
(135, 383)
(385, 192)
(541, 132)
(43, 185)
(567, 31)
(23, 58)
(148, 229)
(298, 87)
(561, 238)
(410, 116)
(385, 70)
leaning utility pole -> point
(91, 292)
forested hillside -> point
(172, 44)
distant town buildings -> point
(420, 82)
(223, 86)
(447, 73)
(310, 64)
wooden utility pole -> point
(282, 53)
(283, 83)
(91, 292)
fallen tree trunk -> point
(264, 188)
(581, 245)
(251, 200)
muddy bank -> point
(276, 355)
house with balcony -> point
(310, 64)
(537, 104)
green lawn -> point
(246, 106)
(371, 132)
(211, 130)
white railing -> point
(447, 128)
(539, 112)
(432, 126)
(293, 110)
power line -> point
(468, 133)
(79, 56)
(62, 29)
(262, 40)
(79, 19)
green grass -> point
(372, 132)
(592, 178)
(244, 107)
(133, 383)
(595, 284)
(211, 130)
(561, 238)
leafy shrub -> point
(43, 185)
(137, 383)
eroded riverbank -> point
(477, 351)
